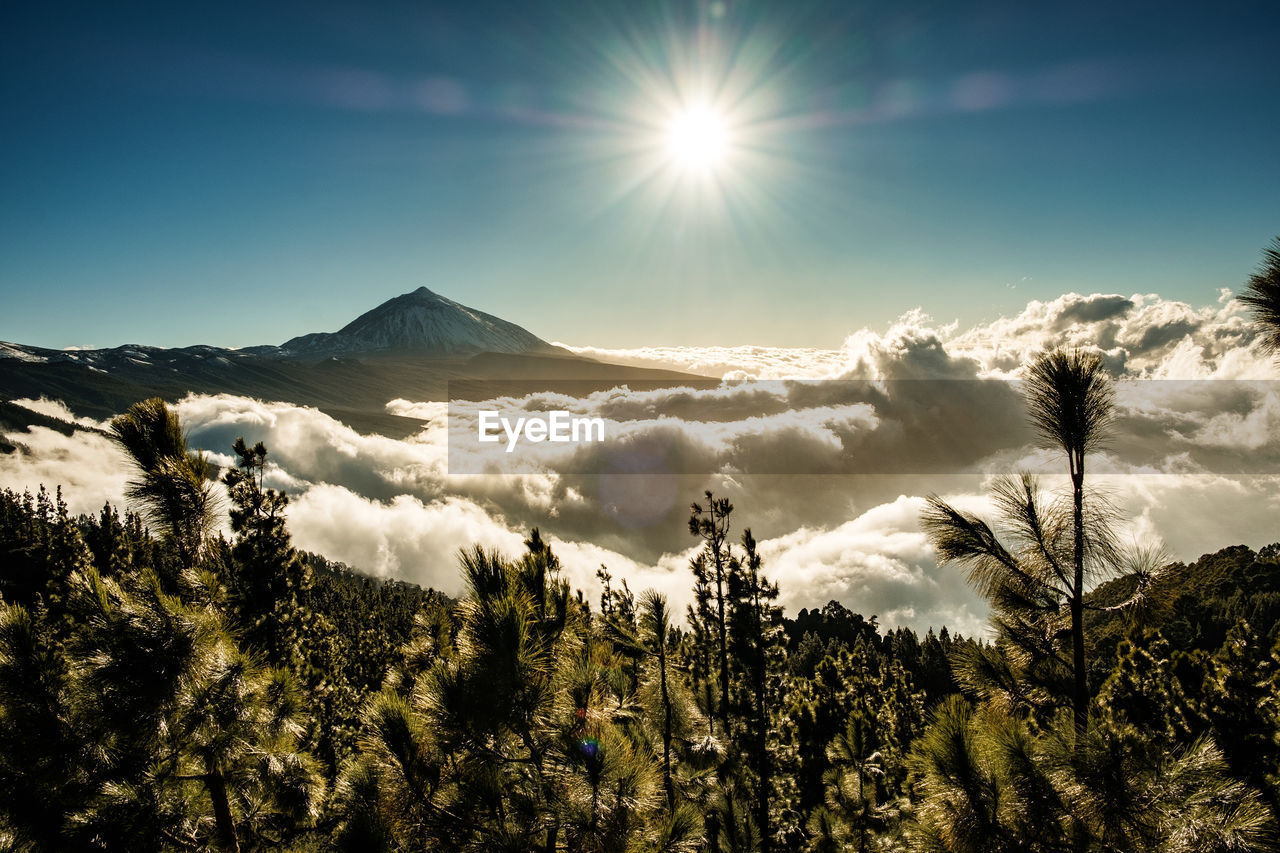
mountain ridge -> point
(418, 322)
(411, 346)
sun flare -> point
(697, 138)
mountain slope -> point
(412, 346)
(421, 321)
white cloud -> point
(392, 507)
(741, 362)
(404, 537)
(90, 469)
(419, 541)
(57, 409)
(878, 563)
(1142, 335)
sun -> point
(697, 138)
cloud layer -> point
(1142, 335)
(919, 408)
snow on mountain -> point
(20, 353)
(420, 321)
(417, 323)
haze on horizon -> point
(175, 177)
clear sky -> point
(176, 173)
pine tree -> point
(1241, 703)
(1262, 296)
(1071, 404)
(513, 738)
(267, 578)
(174, 485)
(756, 651)
(711, 526)
(182, 706)
(703, 646)
(656, 626)
(43, 779)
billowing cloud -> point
(878, 564)
(404, 537)
(90, 469)
(1142, 335)
(916, 408)
(58, 409)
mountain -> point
(421, 321)
(412, 346)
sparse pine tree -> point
(1262, 296)
(711, 526)
(267, 577)
(174, 485)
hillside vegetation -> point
(165, 688)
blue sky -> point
(236, 175)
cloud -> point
(90, 469)
(741, 362)
(1093, 309)
(878, 563)
(1142, 335)
(58, 409)
(918, 407)
(315, 447)
(404, 537)
(419, 541)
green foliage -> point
(511, 735)
(174, 486)
(991, 783)
(156, 729)
(711, 588)
(1041, 763)
(854, 722)
(1070, 401)
(1262, 296)
(267, 578)
(1196, 605)
(1241, 704)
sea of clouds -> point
(914, 409)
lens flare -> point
(694, 128)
